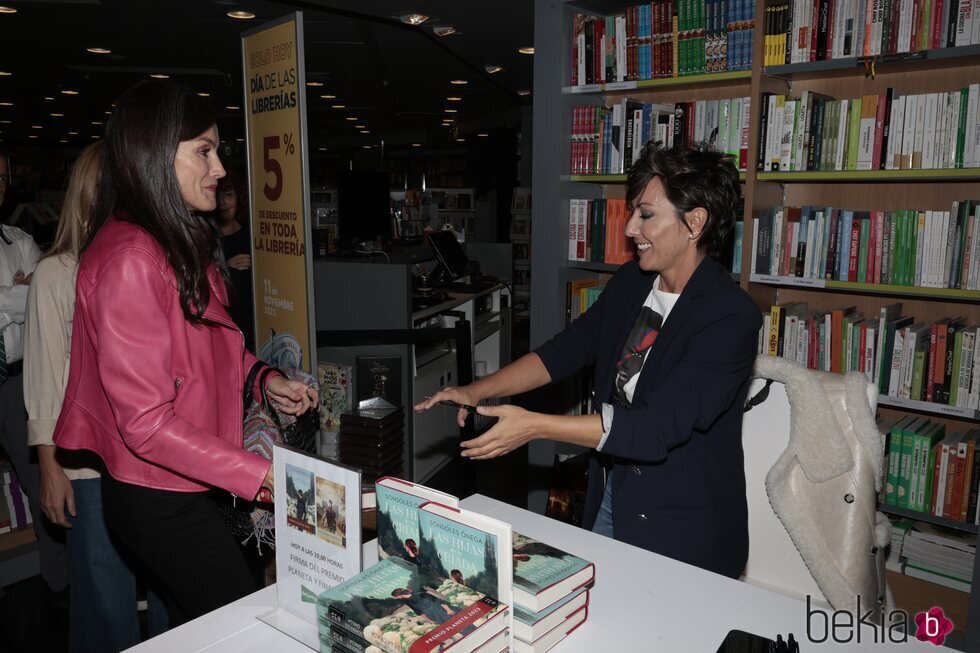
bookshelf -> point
(930, 71)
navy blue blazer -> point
(676, 454)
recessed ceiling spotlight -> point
(450, 110)
(6, 104)
(4, 122)
(413, 19)
(322, 149)
(67, 91)
(327, 96)
(351, 118)
(453, 98)
(524, 91)
(73, 133)
(203, 94)
(4, 73)
(63, 140)
(240, 140)
(338, 106)
(36, 127)
(99, 50)
(360, 126)
(232, 107)
(94, 136)
(461, 140)
(365, 131)
(446, 30)
(57, 115)
(313, 83)
(459, 82)
(493, 69)
(416, 145)
(240, 15)
(483, 134)
(528, 50)
(97, 122)
(7, 10)
(108, 113)
(159, 76)
(33, 136)
(366, 147)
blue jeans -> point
(604, 520)
(103, 585)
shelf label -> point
(621, 86)
(585, 88)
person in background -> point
(672, 338)
(102, 604)
(232, 219)
(157, 364)
(18, 256)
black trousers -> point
(181, 540)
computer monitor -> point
(452, 258)
(363, 206)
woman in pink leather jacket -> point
(157, 364)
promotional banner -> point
(282, 265)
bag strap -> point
(249, 382)
(269, 408)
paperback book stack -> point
(371, 439)
(551, 595)
(14, 511)
(900, 528)
(939, 555)
(443, 581)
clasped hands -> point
(515, 426)
(293, 398)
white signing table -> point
(641, 602)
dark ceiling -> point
(395, 79)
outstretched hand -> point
(464, 395)
(292, 397)
(515, 427)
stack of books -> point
(900, 528)
(14, 511)
(551, 595)
(940, 555)
(372, 440)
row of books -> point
(597, 231)
(608, 140)
(800, 31)
(908, 247)
(889, 131)
(932, 471)
(14, 509)
(663, 38)
(937, 363)
(451, 577)
(581, 294)
(933, 553)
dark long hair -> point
(139, 183)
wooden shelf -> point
(864, 176)
(690, 80)
(597, 267)
(942, 294)
(616, 179)
(856, 64)
(929, 407)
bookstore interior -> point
(385, 159)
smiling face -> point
(198, 170)
(663, 242)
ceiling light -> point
(159, 76)
(314, 83)
(63, 140)
(4, 73)
(450, 110)
(351, 118)
(99, 50)
(108, 113)
(232, 107)
(366, 147)
(49, 98)
(493, 69)
(240, 140)
(329, 97)
(459, 82)
(321, 149)
(365, 131)
(360, 127)
(453, 98)
(460, 140)
(444, 30)
(57, 115)
(524, 91)
(240, 15)
(414, 19)
(73, 133)
(94, 136)
(483, 134)
(203, 94)
(67, 91)
(6, 104)
(7, 10)
(4, 122)
(33, 136)
(338, 106)
(36, 127)
(526, 50)
(416, 145)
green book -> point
(853, 134)
(908, 452)
(928, 440)
(398, 516)
(862, 273)
(961, 134)
(544, 574)
(895, 459)
(918, 371)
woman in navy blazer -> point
(673, 339)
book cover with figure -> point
(544, 574)
(398, 516)
(391, 606)
(379, 376)
(336, 394)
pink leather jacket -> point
(158, 398)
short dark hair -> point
(139, 182)
(694, 176)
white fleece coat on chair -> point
(824, 486)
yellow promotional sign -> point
(275, 105)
